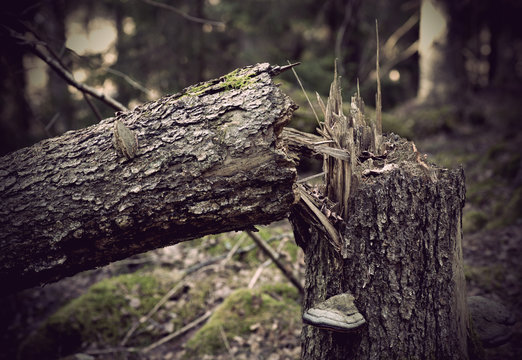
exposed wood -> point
(393, 241)
(301, 144)
(209, 160)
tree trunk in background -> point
(442, 75)
(209, 160)
(401, 258)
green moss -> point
(236, 79)
(242, 309)
(103, 314)
(193, 304)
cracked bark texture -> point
(209, 160)
(401, 258)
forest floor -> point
(488, 149)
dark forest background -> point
(458, 97)
(153, 48)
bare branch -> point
(65, 74)
(392, 56)
(390, 44)
(183, 14)
(181, 331)
(378, 100)
(59, 60)
(339, 37)
(275, 258)
(129, 80)
(135, 84)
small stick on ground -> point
(180, 332)
(179, 285)
(224, 337)
(273, 256)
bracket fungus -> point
(337, 313)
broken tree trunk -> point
(384, 233)
(209, 160)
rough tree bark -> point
(209, 160)
(385, 227)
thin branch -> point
(307, 98)
(234, 249)
(394, 38)
(257, 274)
(274, 257)
(339, 37)
(392, 58)
(264, 265)
(58, 58)
(129, 80)
(65, 74)
(403, 55)
(224, 338)
(48, 127)
(300, 181)
(93, 107)
(160, 303)
(180, 332)
(112, 350)
(183, 14)
(378, 100)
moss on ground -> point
(103, 315)
(240, 311)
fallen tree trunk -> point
(208, 160)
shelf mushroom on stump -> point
(338, 313)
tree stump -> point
(385, 227)
(208, 159)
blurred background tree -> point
(140, 50)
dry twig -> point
(183, 14)
(180, 332)
(64, 73)
(275, 258)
